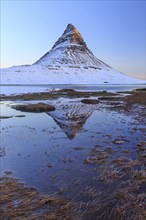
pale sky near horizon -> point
(113, 30)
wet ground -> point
(90, 154)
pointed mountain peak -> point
(70, 26)
(71, 29)
(70, 36)
(71, 50)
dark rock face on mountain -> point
(71, 34)
(71, 50)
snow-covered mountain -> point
(71, 51)
(69, 61)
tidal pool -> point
(78, 151)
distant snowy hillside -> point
(68, 62)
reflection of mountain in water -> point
(71, 117)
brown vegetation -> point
(138, 97)
(70, 93)
(98, 156)
(20, 202)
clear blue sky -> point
(113, 30)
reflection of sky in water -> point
(34, 141)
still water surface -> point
(48, 151)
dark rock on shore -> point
(5, 117)
(139, 90)
(66, 90)
(90, 101)
(112, 98)
(40, 107)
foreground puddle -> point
(88, 154)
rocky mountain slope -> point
(69, 61)
(71, 51)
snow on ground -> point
(13, 90)
(36, 74)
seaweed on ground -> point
(20, 202)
